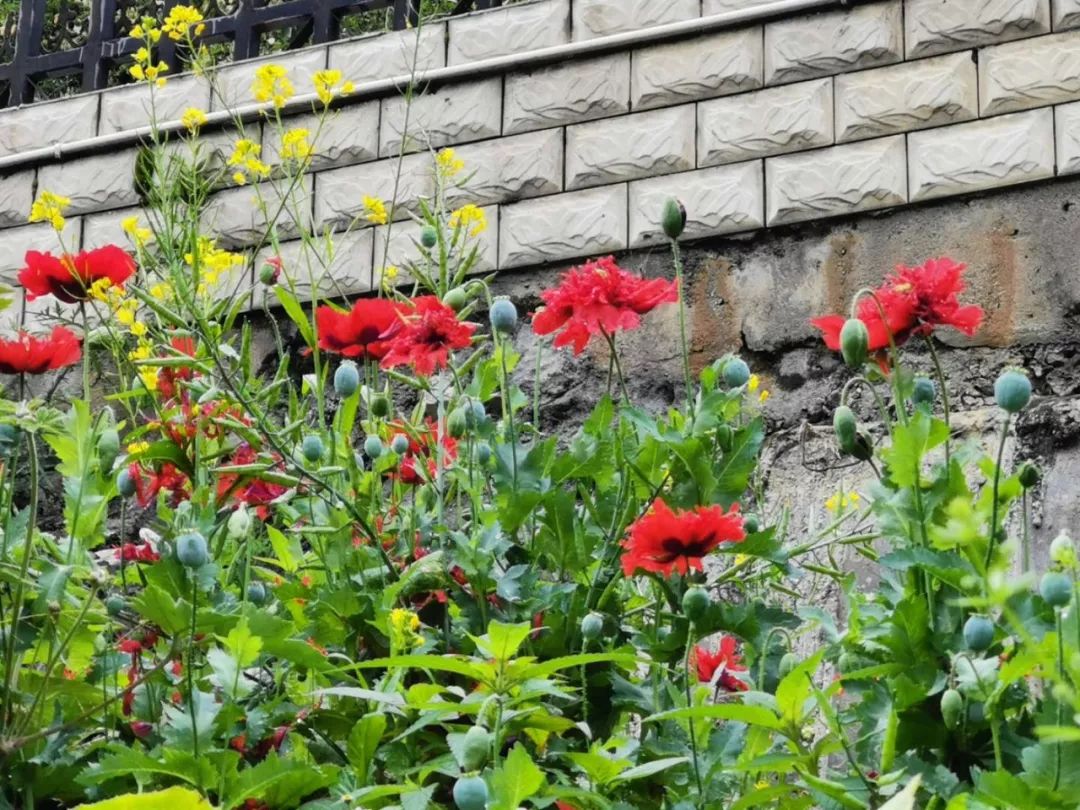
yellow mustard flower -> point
(245, 157)
(136, 233)
(137, 447)
(469, 218)
(183, 20)
(139, 329)
(49, 207)
(272, 84)
(753, 385)
(404, 629)
(328, 83)
(193, 118)
(295, 144)
(448, 163)
(839, 502)
(162, 291)
(99, 290)
(376, 210)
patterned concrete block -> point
(767, 122)
(510, 169)
(234, 81)
(16, 197)
(1067, 132)
(455, 113)
(599, 18)
(841, 180)
(721, 200)
(1029, 73)
(403, 250)
(336, 269)
(638, 145)
(833, 42)
(129, 107)
(212, 151)
(1066, 14)
(498, 32)
(390, 55)
(566, 226)
(95, 183)
(567, 93)
(106, 229)
(710, 7)
(348, 135)
(899, 98)
(241, 217)
(981, 155)
(339, 193)
(938, 26)
(14, 242)
(715, 65)
(49, 123)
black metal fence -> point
(50, 48)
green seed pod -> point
(978, 633)
(312, 448)
(845, 426)
(475, 413)
(751, 523)
(483, 453)
(1029, 475)
(380, 406)
(470, 793)
(456, 299)
(592, 626)
(457, 423)
(695, 603)
(952, 708)
(373, 447)
(854, 342)
(725, 437)
(400, 444)
(673, 218)
(1062, 550)
(256, 592)
(1056, 588)
(125, 484)
(503, 315)
(787, 663)
(736, 372)
(239, 523)
(924, 391)
(346, 379)
(191, 550)
(115, 605)
(108, 448)
(1012, 391)
(476, 748)
(429, 237)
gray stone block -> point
(938, 26)
(95, 183)
(16, 197)
(14, 242)
(339, 193)
(567, 93)
(349, 134)
(1029, 73)
(334, 269)
(510, 169)
(403, 249)
(598, 18)
(241, 217)
(1066, 14)
(129, 107)
(389, 55)
(48, 123)
(498, 32)
(233, 82)
(1067, 140)
(452, 114)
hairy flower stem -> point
(1025, 534)
(85, 352)
(676, 256)
(1060, 706)
(690, 705)
(191, 667)
(940, 374)
(618, 366)
(508, 406)
(992, 540)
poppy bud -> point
(256, 592)
(923, 392)
(380, 405)
(751, 524)
(114, 605)
(845, 426)
(456, 299)
(863, 449)
(346, 379)
(483, 453)
(503, 315)
(952, 708)
(1056, 588)
(592, 626)
(429, 237)
(978, 633)
(475, 748)
(854, 342)
(191, 550)
(1029, 475)
(673, 218)
(736, 372)
(695, 602)
(270, 272)
(312, 448)
(400, 444)
(1012, 391)
(125, 483)
(457, 423)
(239, 523)
(475, 413)
(470, 793)
(373, 446)
(108, 448)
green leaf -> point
(288, 552)
(910, 444)
(738, 712)
(794, 690)
(242, 644)
(170, 613)
(517, 779)
(905, 799)
(175, 798)
(296, 314)
(735, 467)
(649, 768)
(502, 641)
(363, 743)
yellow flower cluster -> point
(245, 157)
(192, 119)
(138, 235)
(327, 85)
(124, 308)
(145, 69)
(376, 210)
(49, 207)
(272, 84)
(183, 20)
(840, 502)
(144, 350)
(138, 447)
(295, 145)
(469, 218)
(448, 163)
(389, 276)
(210, 261)
(404, 628)
(147, 31)
(754, 384)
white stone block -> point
(710, 7)
(566, 226)
(390, 55)
(242, 217)
(981, 155)
(105, 228)
(1029, 73)
(48, 123)
(403, 250)
(349, 134)
(95, 183)
(833, 42)
(766, 122)
(566, 94)
(714, 65)
(233, 82)
(1066, 14)
(720, 200)
(129, 107)
(1067, 131)
(455, 113)
(335, 268)
(599, 18)
(339, 193)
(841, 180)
(498, 32)
(14, 242)
(16, 197)
(510, 169)
(899, 98)
(938, 26)
(637, 145)
(212, 151)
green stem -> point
(943, 384)
(997, 481)
(191, 667)
(689, 705)
(1060, 705)
(618, 366)
(676, 256)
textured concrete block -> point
(14, 242)
(1066, 14)
(349, 134)
(339, 193)
(390, 55)
(599, 18)
(129, 107)
(841, 180)
(566, 226)
(95, 183)
(403, 250)
(1030, 73)
(105, 228)
(767, 122)
(1067, 131)
(710, 7)
(833, 42)
(498, 32)
(234, 81)
(638, 145)
(981, 155)
(16, 197)
(567, 94)
(938, 26)
(335, 269)
(455, 113)
(49, 123)
(916, 95)
(510, 169)
(715, 65)
(241, 217)
(212, 151)
(720, 200)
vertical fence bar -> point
(101, 31)
(27, 44)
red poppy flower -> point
(29, 354)
(424, 337)
(664, 541)
(169, 376)
(599, 297)
(142, 552)
(720, 664)
(69, 278)
(141, 729)
(360, 332)
(254, 492)
(422, 452)
(169, 478)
